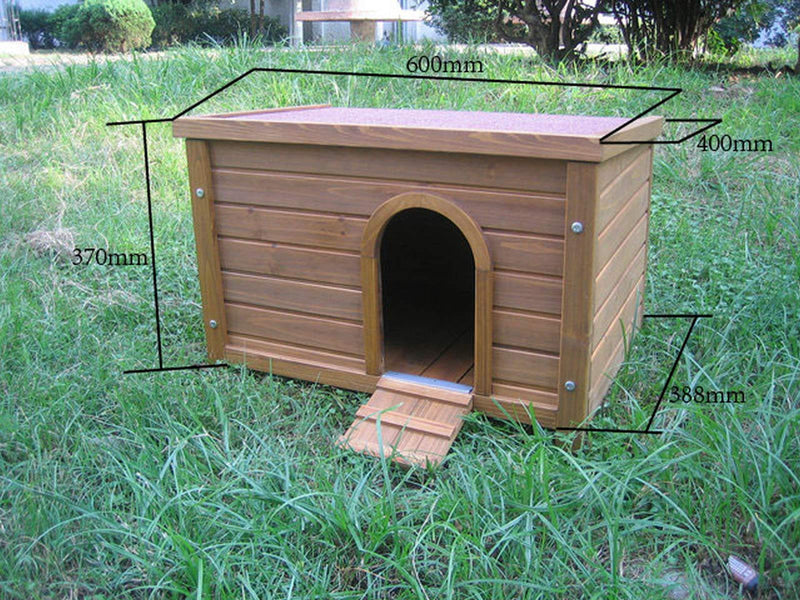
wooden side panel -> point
(578, 301)
(526, 330)
(292, 262)
(308, 364)
(493, 209)
(524, 368)
(272, 292)
(205, 235)
(620, 263)
(527, 253)
(408, 165)
(317, 230)
(323, 333)
(527, 292)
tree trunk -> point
(252, 19)
(260, 16)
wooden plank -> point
(527, 253)
(515, 408)
(577, 303)
(573, 142)
(523, 367)
(527, 292)
(622, 188)
(318, 266)
(301, 296)
(205, 235)
(607, 279)
(621, 225)
(268, 225)
(327, 334)
(603, 376)
(515, 211)
(624, 319)
(483, 325)
(529, 331)
(540, 399)
(250, 353)
(311, 356)
(421, 390)
(455, 361)
(410, 422)
(503, 172)
(610, 169)
(373, 317)
(632, 280)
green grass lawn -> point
(226, 483)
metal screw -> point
(569, 386)
(212, 323)
(577, 227)
(199, 192)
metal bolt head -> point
(212, 323)
(199, 192)
(569, 386)
(577, 227)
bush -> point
(115, 25)
(36, 26)
(65, 25)
(204, 22)
(464, 20)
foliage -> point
(204, 22)
(37, 28)
(555, 29)
(672, 28)
(115, 25)
(465, 21)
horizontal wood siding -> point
(313, 298)
(361, 196)
(292, 262)
(324, 231)
(327, 334)
(291, 219)
(620, 262)
(407, 165)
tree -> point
(668, 27)
(554, 28)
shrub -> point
(203, 22)
(465, 20)
(36, 26)
(65, 25)
(115, 25)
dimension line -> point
(152, 245)
(184, 368)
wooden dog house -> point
(443, 261)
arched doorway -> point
(426, 278)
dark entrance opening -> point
(428, 297)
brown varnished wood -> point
(534, 175)
(495, 209)
(525, 330)
(370, 251)
(621, 225)
(606, 280)
(325, 333)
(279, 363)
(272, 292)
(617, 194)
(292, 262)
(324, 231)
(418, 422)
(373, 314)
(502, 407)
(524, 291)
(524, 367)
(569, 143)
(205, 235)
(611, 169)
(605, 315)
(527, 253)
(305, 354)
(577, 303)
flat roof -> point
(563, 137)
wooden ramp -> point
(410, 419)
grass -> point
(226, 484)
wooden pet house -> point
(443, 261)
